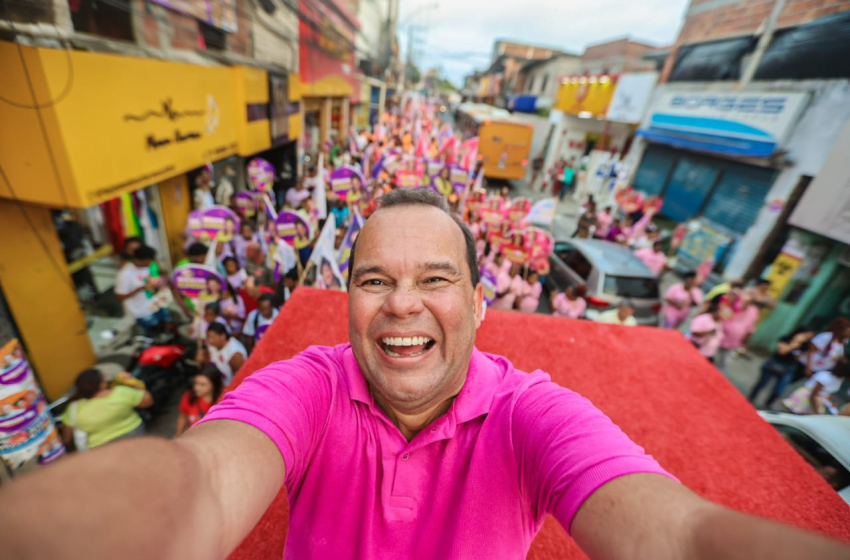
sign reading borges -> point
(740, 124)
(130, 122)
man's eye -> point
(373, 282)
(435, 280)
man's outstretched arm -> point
(651, 516)
(194, 497)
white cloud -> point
(458, 30)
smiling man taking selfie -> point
(406, 443)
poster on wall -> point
(27, 431)
(218, 13)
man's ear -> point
(478, 304)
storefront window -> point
(93, 240)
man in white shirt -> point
(296, 195)
(134, 287)
(624, 315)
(258, 321)
(226, 352)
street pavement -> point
(741, 371)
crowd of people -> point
(259, 271)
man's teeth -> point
(406, 341)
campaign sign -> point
(407, 179)
(345, 179)
(291, 227)
(206, 225)
(476, 200)
(542, 243)
(488, 282)
(459, 178)
(519, 209)
(261, 174)
(245, 203)
(517, 254)
(25, 423)
(191, 279)
(434, 166)
(493, 218)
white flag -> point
(324, 259)
(320, 199)
(543, 212)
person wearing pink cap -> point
(737, 330)
(706, 332)
(529, 295)
(679, 299)
(406, 442)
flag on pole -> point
(320, 200)
(348, 241)
(324, 259)
(543, 212)
(469, 149)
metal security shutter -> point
(739, 196)
(690, 184)
(654, 169)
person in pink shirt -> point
(679, 299)
(406, 442)
(654, 258)
(570, 303)
(507, 286)
(706, 332)
(604, 221)
(529, 295)
(737, 330)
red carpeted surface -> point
(649, 381)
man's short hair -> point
(197, 250)
(144, 253)
(427, 197)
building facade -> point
(110, 113)
(754, 99)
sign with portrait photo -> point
(345, 179)
(206, 225)
(261, 174)
(191, 279)
(293, 229)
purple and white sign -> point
(261, 174)
(488, 281)
(293, 229)
(206, 225)
(345, 179)
(459, 178)
(245, 204)
(191, 279)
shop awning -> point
(523, 103)
(709, 135)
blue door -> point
(688, 187)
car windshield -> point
(630, 287)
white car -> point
(822, 440)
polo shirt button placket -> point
(405, 457)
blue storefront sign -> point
(750, 124)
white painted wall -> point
(276, 37)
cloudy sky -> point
(458, 35)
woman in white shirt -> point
(226, 353)
(827, 348)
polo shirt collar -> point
(482, 381)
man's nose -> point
(403, 301)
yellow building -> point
(81, 129)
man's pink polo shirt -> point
(477, 483)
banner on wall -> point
(27, 431)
